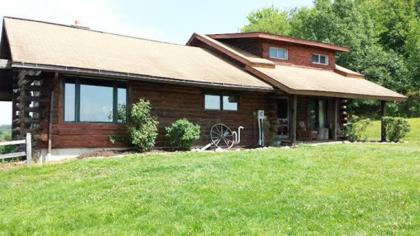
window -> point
(318, 114)
(69, 102)
(221, 102)
(320, 59)
(278, 53)
(230, 103)
(122, 105)
(94, 102)
(212, 102)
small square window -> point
(320, 59)
(212, 102)
(230, 103)
(278, 53)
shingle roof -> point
(44, 43)
(308, 81)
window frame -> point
(277, 49)
(115, 85)
(327, 61)
(220, 95)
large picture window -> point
(94, 102)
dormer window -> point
(278, 53)
(320, 59)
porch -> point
(311, 119)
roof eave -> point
(289, 90)
(130, 76)
(280, 38)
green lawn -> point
(374, 131)
(331, 189)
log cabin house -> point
(70, 85)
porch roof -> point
(319, 82)
(70, 48)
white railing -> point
(27, 153)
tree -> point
(268, 20)
(383, 36)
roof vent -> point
(77, 24)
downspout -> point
(50, 127)
(50, 121)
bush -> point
(356, 130)
(142, 128)
(396, 128)
(182, 133)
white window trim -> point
(327, 61)
(279, 58)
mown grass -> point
(374, 131)
(331, 189)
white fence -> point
(27, 153)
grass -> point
(374, 131)
(331, 189)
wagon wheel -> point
(221, 136)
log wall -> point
(169, 103)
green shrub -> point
(142, 128)
(396, 128)
(182, 133)
(356, 130)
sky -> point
(171, 21)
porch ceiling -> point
(316, 82)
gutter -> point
(138, 77)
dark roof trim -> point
(242, 60)
(280, 38)
(129, 76)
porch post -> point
(383, 130)
(294, 111)
(335, 120)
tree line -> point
(384, 37)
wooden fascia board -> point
(229, 53)
(280, 38)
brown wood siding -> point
(250, 45)
(169, 103)
(299, 55)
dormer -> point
(282, 49)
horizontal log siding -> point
(169, 103)
(175, 102)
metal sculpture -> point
(223, 137)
